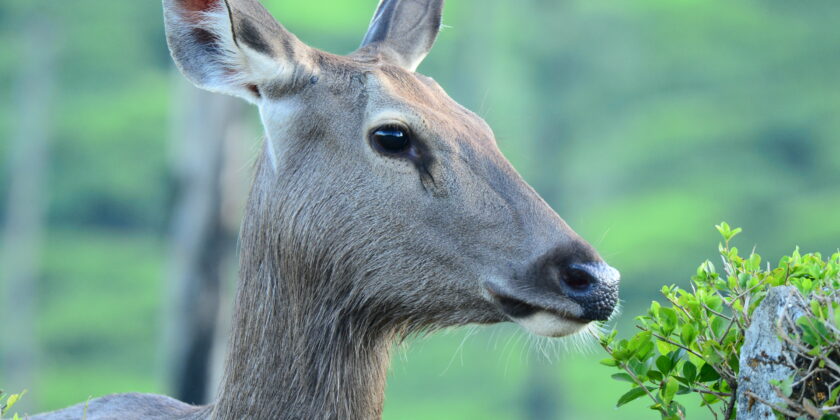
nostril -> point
(578, 279)
(594, 286)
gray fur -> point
(345, 250)
(125, 407)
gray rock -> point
(764, 357)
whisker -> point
(471, 330)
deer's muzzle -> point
(558, 295)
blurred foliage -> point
(642, 123)
(7, 402)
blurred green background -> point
(642, 123)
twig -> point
(715, 393)
(804, 350)
(638, 382)
(671, 342)
(730, 406)
(680, 306)
(712, 410)
(717, 313)
(771, 405)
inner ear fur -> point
(231, 46)
(403, 31)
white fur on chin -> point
(549, 325)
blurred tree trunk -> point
(25, 208)
(202, 235)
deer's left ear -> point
(403, 31)
(232, 46)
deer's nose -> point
(592, 285)
(570, 283)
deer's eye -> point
(391, 139)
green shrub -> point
(691, 343)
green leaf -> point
(645, 350)
(607, 339)
(805, 285)
(710, 352)
(809, 334)
(709, 399)
(664, 364)
(654, 309)
(663, 347)
(654, 375)
(676, 356)
(638, 367)
(609, 362)
(670, 389)
(785, 385)
(13, 399)
(724, 230)
(622, 376)
(718, 325)
(816, 308)
(734, 362)
(819, 325)
(732, 282)
(630, 396)
(639, 342)
(689, 371)
(836, 318)
(714, 302)
(621, 352)
(743, 280)
(668, 320)
(755, 262)
(727, 232)
(708, 373)
(832, 399)
(688, 334)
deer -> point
(379, 208)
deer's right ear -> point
(231, 46)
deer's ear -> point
(231, 46)
(404, 30)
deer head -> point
(376, 192)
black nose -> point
(592, 285)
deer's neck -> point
(296, 358)
(305, 343)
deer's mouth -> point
(552, 317)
